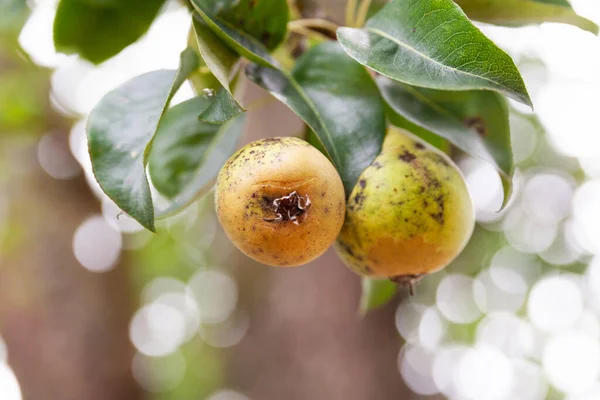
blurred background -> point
(94, 307)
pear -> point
(410, 213)
(280, 201)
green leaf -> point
(507, 188)
(338, 100)
(102, 3)
(222, 108)
(431, 43)
(401, 122)
(525, 12)
(99, 30)
(474, 121)
(265, 20)
(563, 3)
(178, 146)
(376, 293)
(243, 44)
(222, 146)
(120, 130)
(217, 56)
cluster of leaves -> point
(428, 69)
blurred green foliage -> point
(23, 86)
(12, 14)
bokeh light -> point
(216, 294)
(227, 394)
(555, 303)
(96, 245)
(432, 328)
(408, 320)
(508, 333)
(572, 361)
(484, 373)
(416, 367)
(499, 289)
(529, 381)
(3, 351)
(227, 333)
(157, 329)
(158, 374)
(455, 299)
(55, 159)
(9, 386)
(445, 369)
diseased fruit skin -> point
(311, 198)
(409, 214)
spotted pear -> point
(280, 201)
(410, 213)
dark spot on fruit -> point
(407, 156)
(326, 210)
(359, 199)
(419, 145)
(253, 195)
(395, 190)
(438, 217)
(421, 189)
(405, 219)
(252, 151)
(270, 140)
(442, 160)
(477, 123)
(323, 194)
(348, 249)
(362, 183)
(377, 165)
(425, 203)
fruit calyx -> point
(407, 281)
(292, 207)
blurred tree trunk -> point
(307, 341)
(66, 328)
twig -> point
(363, 10)
(314, 23)
(309, 33)
(350, 12)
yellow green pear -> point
(410, 213)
